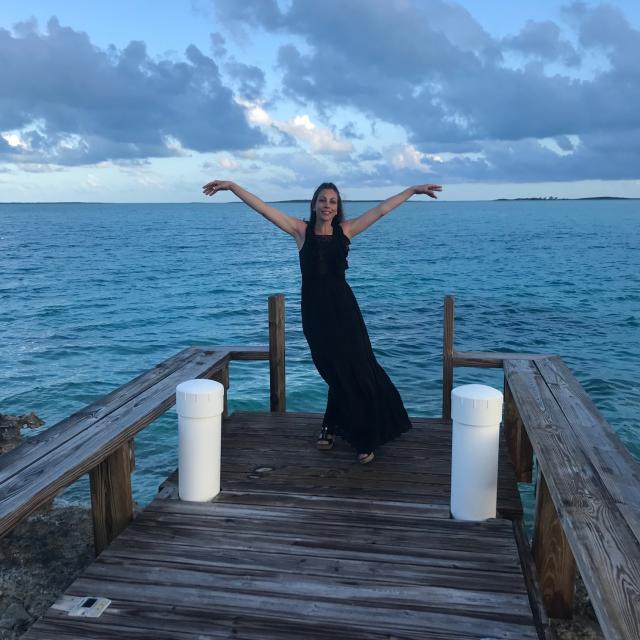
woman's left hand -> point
(427, 189)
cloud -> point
(320, 140)
(369, 154)
(249, 79)
(218, 48)
(407, 157)
(298, 130)
(429, 67)
(543, 40)
(74, 103)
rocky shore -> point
(40, 558)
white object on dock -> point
(200, 404)
(81, 607)
(476, 412)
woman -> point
(363, 405)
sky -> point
(145, 102)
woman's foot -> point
(326, 439)
(366, 458)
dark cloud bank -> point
(88, 105)
(427, 66)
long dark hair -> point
(340, 215)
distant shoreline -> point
(306, 201)
(553, 199)
(542, 199)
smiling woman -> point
(363, 405)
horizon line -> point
(305, 200)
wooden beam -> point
(517, 439)
(531, 580)
(491, 359)
(111, 499)
(447, 357)
(222, 376)
(555, 565)
(276, 352)
(251, 352)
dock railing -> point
(587, 512)
(98, 439)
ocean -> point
(93, 294)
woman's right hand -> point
(427, 190)
(217, 185)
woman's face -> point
(326, 205)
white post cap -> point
(476, 405)
(199, 398)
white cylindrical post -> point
(200, 404)
(476, 412)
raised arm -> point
(365, 220)
(288, 224)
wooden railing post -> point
(447, 357)
(111, 499)
(517, 439)
(555, 565)
(276, 352)
(222, 376)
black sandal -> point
(326, 439)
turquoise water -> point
(92, 294)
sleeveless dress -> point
(363, 405)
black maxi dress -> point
(363, 405)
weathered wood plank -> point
(271, 582)
(604, 546)
(490, 359)
(111, 498)
(397, 620)
(316, 503)
(555, 565)
(222, 376)
(277, 353)
(320, 562)
(230, 512)
(447, 356)
(431, 559)
(615, 466)
(186, 623)
(46, 476)
(246, 353)
(384, 539)
(516, 438)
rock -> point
(15, 617)
(40, 558)
(584, 624)
(10, 426)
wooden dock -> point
(310, 545)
